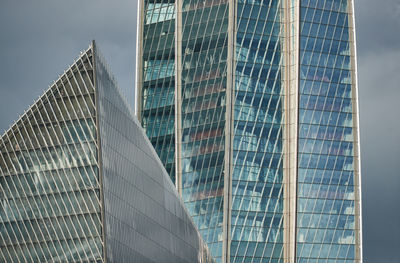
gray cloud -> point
(380, 151)
(378, 59)
(40, 38)
(377, 25)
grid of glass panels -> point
(257, 191)
(158, 80)
(326, 205)
(204, 55)
(49, 185)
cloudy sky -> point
(39, 39)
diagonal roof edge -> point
(14, 124)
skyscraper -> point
(80, 181)
(262, 95)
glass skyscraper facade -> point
(327, 151)
(257, 165)
(265, 115)
(80, 181)
(158, 108)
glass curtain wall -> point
(204, 67)
(326, 192)
(158, 80)
(257, 190)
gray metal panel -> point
(145, 220)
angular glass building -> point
(262, 95)
(80, 181)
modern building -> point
(80, 181)
(252, 107)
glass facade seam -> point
(292, 115)
(229, 135)
(178, 95)
(356, 120)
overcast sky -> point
(39, 39)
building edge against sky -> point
(80, 181)
(315, 65)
